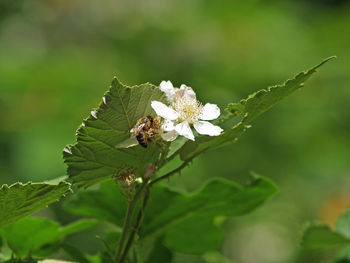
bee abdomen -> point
(141, 139)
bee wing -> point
(128, 143)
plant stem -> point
(119, 256)
(126, 227)
(127, 222)
(136, 226)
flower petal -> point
(168, 125)
(170, 136)
(205, 127)
(168, 88)
(184, 129)
(187, 92)
(209, 112)
(164, 111)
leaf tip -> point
(331, 57)
(115, 82)
(326, 60)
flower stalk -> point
(128, 222)
(184, 110)
(123, 248)
(136, 225)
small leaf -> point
(343, 227)
(249, 109)
(29, 234)
(188, 221)
(320, 242)
(95, 157)
(322, 237)
(20, 200)
(40, 236)
(343, 224)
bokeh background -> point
(58, 57)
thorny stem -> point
(119, 256)
(127, 222)
(136, 226)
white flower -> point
(185, 110)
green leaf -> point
(328, 243)
(95, 157)
(322, 237)
(20, 200)
(177, 214)
(249, 109)
(37, 236)
(343, 224)
(189, 223)
(30, 234)
(343, 227)
(106, 203)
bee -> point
(145, 129)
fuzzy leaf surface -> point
(20, 200)
(95, 157)
(188, 222)
(248, 109)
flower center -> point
(188, 109)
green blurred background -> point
(58, 57)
